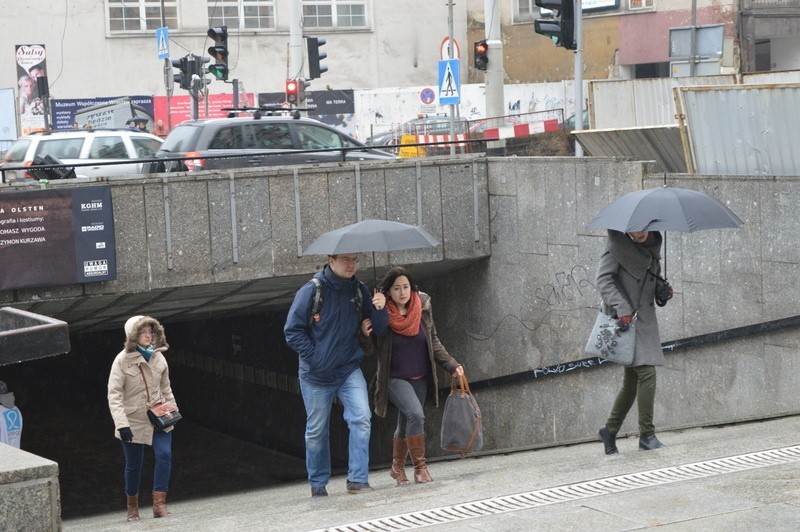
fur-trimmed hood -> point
(135, 324)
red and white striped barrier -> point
(442, 138)
(520, 130)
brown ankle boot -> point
(399, 453)
(416, 445)
(133, 507)
(160, 504)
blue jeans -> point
(134, 457)
(409, 397)
(318, 401)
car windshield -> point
(180, 139)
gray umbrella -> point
(665, 209)
(371, 235)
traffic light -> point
(219, 51)
(561, 31)
(185, 77)
(481, 54)
(292, 91)
(315, 68)
(302, 85)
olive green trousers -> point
(638, 384)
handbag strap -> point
(146, 389)
(460, 383)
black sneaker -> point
(358, 487)
(318, 492)
(649, 442)
(609, 440)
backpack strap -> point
(358, 298)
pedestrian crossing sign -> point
(449, 82)
(162, 43)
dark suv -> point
(254, 141)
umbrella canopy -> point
(665, 209)
(371, 235)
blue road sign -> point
(162, 43)
(449, 82)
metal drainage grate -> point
(572, 492)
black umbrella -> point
(371, 236)
(665, 209)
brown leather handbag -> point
(164, 414)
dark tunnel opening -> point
(235, 382)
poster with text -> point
(180, 107)
(32, 86)
(333, 107)
(56, 237)
(100, 113)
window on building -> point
(641, 4)
(242, 14)
(525, 10)
(334, 14)
(140, 15)
(528, 11)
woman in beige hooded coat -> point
(139, 379)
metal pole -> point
(693, 41)
(578, 33)
(494, 69)
(235, 93)
(296, 41)
(450, 56)
(167, 74)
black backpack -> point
(358, 296)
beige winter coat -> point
(127, 398)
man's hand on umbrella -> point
(378, 300)
(366, 327)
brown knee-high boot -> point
(160, 504)
(133, 507)
(399, 453)
(416, 444)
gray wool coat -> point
(626, 277)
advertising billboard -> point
(32, 86)
(52, 237)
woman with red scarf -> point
(407, 357)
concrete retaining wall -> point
(29, 494)
(532, 304)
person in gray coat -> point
(626, 280)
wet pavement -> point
(738, 477)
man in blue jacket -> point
(330, 357)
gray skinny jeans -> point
(409, 397)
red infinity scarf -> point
(407, 325)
